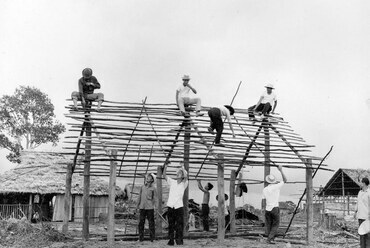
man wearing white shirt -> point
(272, 213)
(265, 104)
(183, 96)
(216, 114)
(175, 205)
(362, 211)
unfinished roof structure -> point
(147, 135)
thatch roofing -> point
(349, 178)
(45, 173)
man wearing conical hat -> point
(183, 96)
(266, 104)
(272, 213)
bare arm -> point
(165, 171)
(80, 89)
(201, 187)
(192, 89)
(280, 168)
(177, 97)
(229, 120)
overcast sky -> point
(316, 53)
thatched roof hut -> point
(38, 183)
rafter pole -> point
(133, 131)
(248, 150)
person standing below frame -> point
(175, 204)
(205, 204)
(362, 211)
(272, 213)
(146, 204)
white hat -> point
(270, 178)
(364, 227)
(186, 77)
(270, 86)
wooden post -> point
(86, 195)
(343, 196)
(221, 202)
(112, 197)
(267, 166)
(232, 201)
(158, 227)
(186, 165)
(30, 207)
(67, 199)
(309, 200)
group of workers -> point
(147, 200)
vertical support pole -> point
(323, 207)
(86, 195)
(158, 227)
(343, 196)
(221, 201)
(112, 197)
(67, 199)
(232, 201)
(267, 164)
(30, 203)
(309, 197)
(348, 203)
(186, 165)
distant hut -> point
(37, 184)
(339, 195)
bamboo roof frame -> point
(147, 135)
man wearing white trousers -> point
(183, 96)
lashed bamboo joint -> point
(147, 135)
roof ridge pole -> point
(137, 123)
(86, 191)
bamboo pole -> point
(158, 228)
(86, 191)
(309, 203)
(221, 202)
(232, 202)
(67, 198)
(186, 165)
(112, 197)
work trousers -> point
(364, 239)
(176, 225)
(188, 101)
(205, 217)
(272, 221)
(216, 123)
(265, 108)
(146, 214)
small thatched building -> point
(339, 195)
(37, 184)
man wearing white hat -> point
(362, 211)
(272, 213)
(183, 96)
(266, 103)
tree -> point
(27, 115)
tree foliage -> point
(28, 116)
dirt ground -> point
(22, 234)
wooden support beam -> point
(221, 202)
(343, 196)
(67, 198)
(267, 164)
(86, 191)
(309, 201)
(30, 207)
(232, 202)
(186, 165)
(112, 197)
(158, 228)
